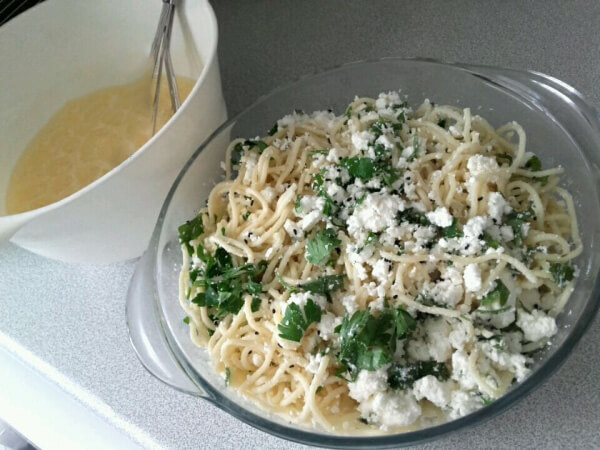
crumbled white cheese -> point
(334, 155)
(381, 271)
(310, 220)
(301, 298)
(497, 206)
(505, 360)
(377, 212)
(336, 192)
(472, 277)
(361, 139)
(308, 203)
(482, 166)
(463, 403)
(461, 334)
(390, 409)
(437, 331)
(327, 325)
(461, 370)
(314, 361)
(536, 325)
(368, 383)
(292, 228)
(378, 304)
(249, 161)
(438, 393)
(440, 217)
(349, 303)
(269, 194)
(447, 291)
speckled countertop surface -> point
(71, 318)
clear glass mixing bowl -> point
(561, 128)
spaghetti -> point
(386, 269)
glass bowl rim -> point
(548, 367)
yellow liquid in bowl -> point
(85, 139)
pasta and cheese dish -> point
(385, 269)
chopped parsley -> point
(499, 294)
(298, 205)
(516, 220)
(411, 215)
(288, 287)
(190, 231)
(318, 249)
(186, 320)
(324, 285)
(452, 231)
(295, 322)
(403, 376)
(535, 165)
(490, 241)
(416, 149)
(562, 272)
(225, 285)
(368, 342)
(362, 168)
(273, 129)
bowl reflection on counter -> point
(561, 127)
(111, 219)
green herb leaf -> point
(411, 215)
(273, 129)
(485, 401)
(499, 294)
(404, 376)
(534, 164)
(255, 305)
(186, 320)
(295, 322)
(562, 272)
(362, 168)
(365, 342)
(516, 220)
(416, 149)
(324, 285)
(227, 376)
(190, 231)
(404, 323)
(298, 205)
(246, 215)
(490, 241)
(372, 239)
(368, 342)
(225, 285)
(288, 287)
(318, 250)
(452, 231)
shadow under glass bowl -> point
(562, 128)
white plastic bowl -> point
(63, 49)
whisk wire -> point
(161, 54)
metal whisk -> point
(161, 53)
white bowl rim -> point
(30, 214)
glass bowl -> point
(561, 128)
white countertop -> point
(68, 375)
